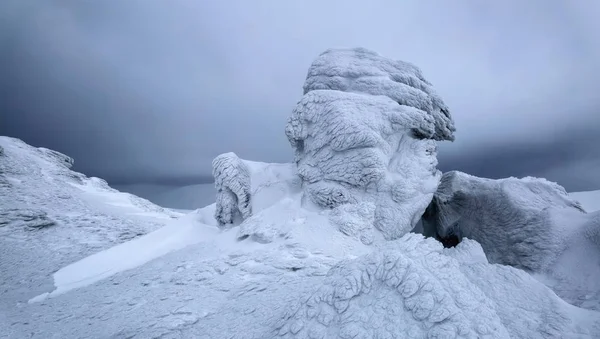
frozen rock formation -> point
(365, 130)
(527, 223)
(232, 181)
(511, 218)
(413, 288)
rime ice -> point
(365, 130)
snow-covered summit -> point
(51, 216)
(365, 131)
(314, 249)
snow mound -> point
(51, 216)
(365, 130)
(232, 181)
(412, 288)
(528, 223)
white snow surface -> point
(365, 130)
(528, 223)
(51, 216)
(286, 271)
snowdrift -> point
(51, 216)
(527, 223)
(320, 248)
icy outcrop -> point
(360, 70)
(232, 181)
(57, 157)
(527, 223)
(511, 218)
(413, 288)
(365, 130)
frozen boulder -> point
(365, 131)
(528, 223)
(232, 181)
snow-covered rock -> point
(51, 216)
(528, 223)
(232, 181)
(365, 130)
(360, 70)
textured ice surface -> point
(528, 223)
(232, 181)
(365, 130)
(412, 288)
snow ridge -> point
(51, 216)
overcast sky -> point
(149, 90)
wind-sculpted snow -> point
(527, 223)
(244, 186)
(360, 70)
(232, 181)
(365, 130)
(412, 288)
(51, 216)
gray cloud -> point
(144, 90)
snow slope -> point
(51, 216)
(590, 200)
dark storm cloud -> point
(571, 159)
(147, 90)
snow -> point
(232, 181)
(590, 200)
(528, 223)
(51, 216)
(313, 258)
(365, 130)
